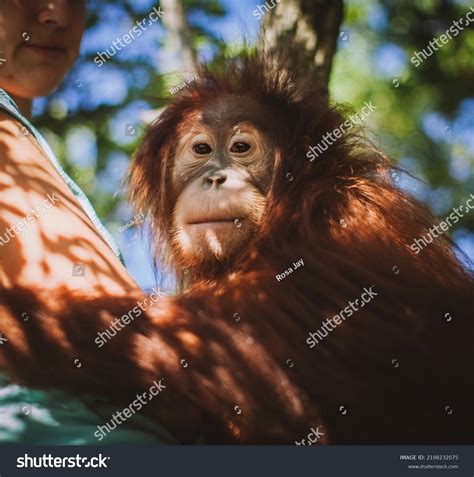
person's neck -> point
(25, 105)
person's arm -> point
(45, 236)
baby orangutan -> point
(234, 202)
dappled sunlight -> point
(47, 236)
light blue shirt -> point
(53, 417)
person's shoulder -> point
(13, 136)
(9, 126)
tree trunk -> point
(310, 27)
(179, 35)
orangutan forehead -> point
(225, 111)
(191, 122)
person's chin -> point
(44, 85)
(41, 78)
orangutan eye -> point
(240, 147)
(202, 148)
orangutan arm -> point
(208, 355)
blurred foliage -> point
(425, 115)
